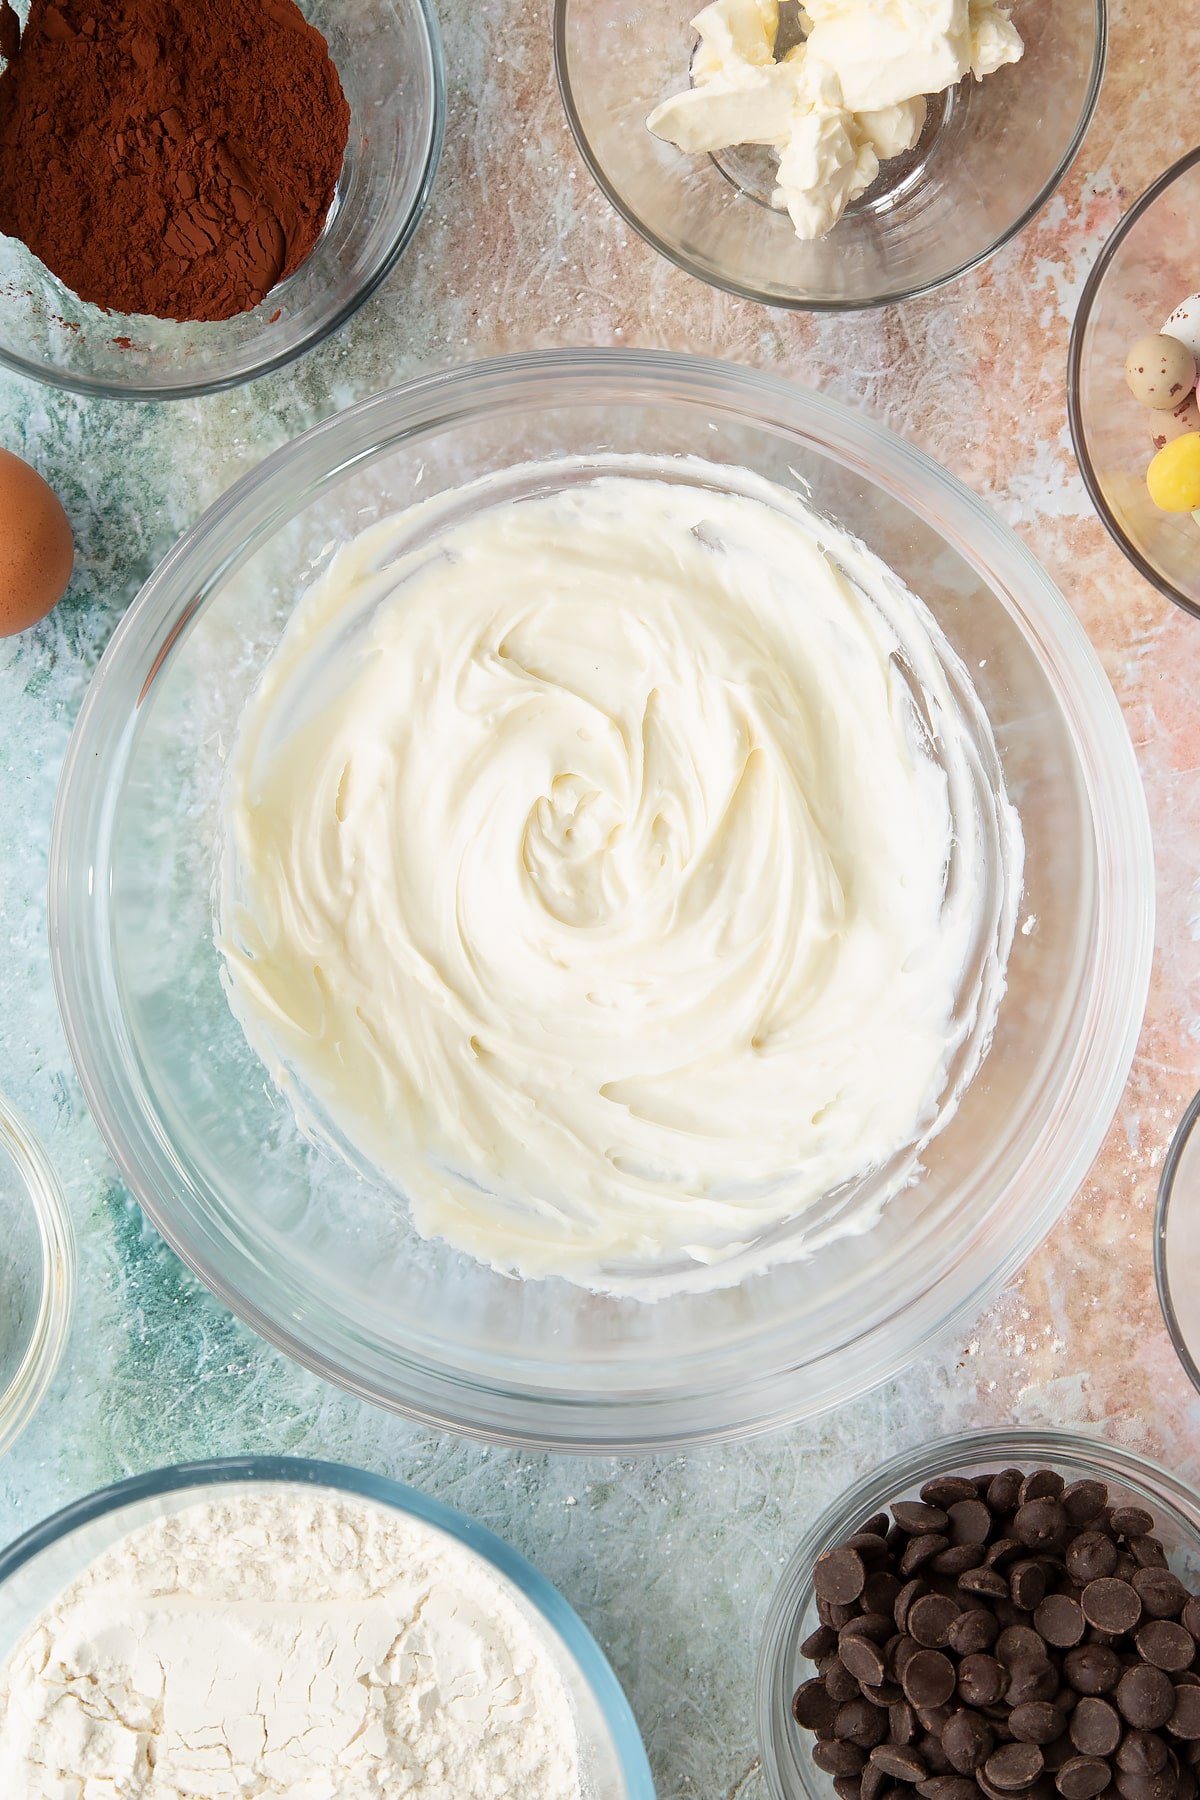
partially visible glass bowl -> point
(992, 154)
(1177, 1241)
(1132, 1480)
(40, 1564)
(389, 57)
(37, 1274)
(323, 1261)
(1148, 266)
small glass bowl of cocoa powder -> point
(388, 57)
(1130, 1481)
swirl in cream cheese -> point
(590, 871)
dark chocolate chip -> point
(1166, 1645)
(1039, 1524)
(839, 1576)
(1019, 1644)
(1131, 1521)
(847, 1787)
(884, 1696)
(930, 1619)
(880, 1592)
(1082, 1778)
(902, 1723)
(1184, 1721)
(864, 1658)
(920, 1550)
(1004, 1552)
(929, 1678)
(958, 1559)
(878, 1525)
(1142, 1753)
(1043, 1484)
(1037, 1722)
(918, 1518)
(902, 1654)
(812, 1707)
(1090, 1557)
(858, 1722)
(1163, 1595)
(947, 1787)
(1014, 1767)
(1147, 1553)
(839, 1682)
(988, 1582)
(900, 1761)
(1004, 1491)
(1083, 1501)
(837, 1758)
(936, 1760)
(968, 1740)
(912, 1590)
(982, 1681)
(1095, 1727)
(947, 1490)
(819, 1643)
(1146, 1697)
(1147, 1787)
(1111, 1604)
(970, 1522)
(1032, 1681)
(1191, 1615)
(1027, 1583)
(1059, 1620)
(974, 1630)
(876, 1625)
(1059, 1750)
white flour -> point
(282, 1642)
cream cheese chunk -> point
(585, 870)
(851, 95)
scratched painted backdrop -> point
(669, 1560)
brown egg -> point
(36, 547)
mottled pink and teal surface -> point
(670, 1561)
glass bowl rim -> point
(551, 1606)
(20, 1145)
(796, 303)
(1166, 1190)
(500, 1408)
(95, 387)
(1083, 313)
(1090, 1452)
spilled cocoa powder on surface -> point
(170, 157)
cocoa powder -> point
(171, 157)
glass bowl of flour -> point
(602, 900)
(37, 1274)
(279, 1626)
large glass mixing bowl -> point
(322, 1261)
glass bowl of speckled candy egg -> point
(1135, 352)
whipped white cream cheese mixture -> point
(292, 1643)
(586, 870)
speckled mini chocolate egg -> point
(1165, 427)
(36, 547)
(1184, 324)
(1161, 372)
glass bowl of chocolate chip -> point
(1000, 1616)
(183, 210)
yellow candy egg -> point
(1174, 476)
